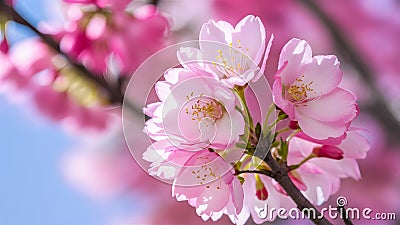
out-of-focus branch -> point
(155, 2)
(280, 174)
(380, 109)
(115, 92)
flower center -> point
(235, 62)
(298, 91)
(204, 107)
(206, 174)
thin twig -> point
(380, 109)
(155, 2)
(264, 172)
(279, 173)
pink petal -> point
(212, 31)
(215, 197)
(296, 53)
(163, 90)
(328, 141)
(286, 106)
(237, 195)
(151, 108)
(324, 73)
(337, 105)
(186, 192)
(266, 54)
(319, 187)
(355, 146)
(339, 168)
(321, 130)
(249, 36)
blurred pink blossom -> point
(35, 70)
(99, 37)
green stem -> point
(264, 172)
(296, 166)
(249, 129)
(280, 118)
(283, 130)
(293, 134)
(265, 124)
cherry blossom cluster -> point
(205, 137)
(99, 31)
(95, 35)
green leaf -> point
(241, 145)
(241, 179)
(237, 166)
(284, 149)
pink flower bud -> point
(4, 46)
(328, 151)
(262, 194)
(294, 125)
(261, 191)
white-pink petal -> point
(339, 104)
(323, 74)
(321, 130)
(295, 53)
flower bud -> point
(294, 125)
(4, 46)
(328, 151)
(261, 191)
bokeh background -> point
(64, 161)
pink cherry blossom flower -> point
(99, 40)
(195, 112)
(322, 175)
(234, 52)
(208, 183)
(306, 88)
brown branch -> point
(380, 109)
(155, 2)
(263, 172)
(279, 173)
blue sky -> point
(32, 188)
